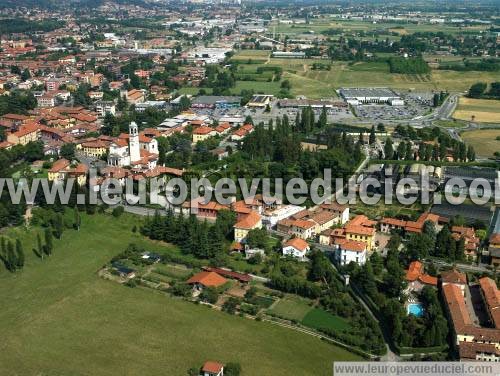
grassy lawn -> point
(173, 271)
(479, 110)
(291, 308)
(60, 318)
(260, 56)
(451, 123)
(318, 319)
(387, 210)
(258, 87)
(323, 83)
(484, 141)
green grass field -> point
(319, 319)
(322, 24)
(323, 83)
(484, 141)
(291, 308)
(60, 318)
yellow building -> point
(62, 169)
(249, 222)
(361, 229)
(95, 149)
(202, 133)
(25, 134)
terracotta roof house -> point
(212, 369)
(453, 276)
(206, 279)
(248, 222)
(296, 247)
(350, 251)
(415, 274)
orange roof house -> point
(415, 273)
(248, 222)
(212, 369)
(297, 243)
(207, 279)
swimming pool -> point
(416, 309)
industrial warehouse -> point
(374, 95)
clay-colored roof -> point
(249, 221)
(298, 244)
(453, 276)
(207, 279)
(492, 299)
(212, 367)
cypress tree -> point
(40, 245)
(78, 220)
(388, 149)
(48, 242)
(11, 257)
(20, 254)
(372, 138)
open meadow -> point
(317, 26)
(322, 83)
(485, 141)
(478, 110)
(60, 318)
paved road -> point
(463, 267)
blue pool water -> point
(416, 309)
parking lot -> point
(416, 104)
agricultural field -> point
(320, 319)
(317, 84)
(478, 110)
(254, 56)
(59, 307)
(485, 141)
(300, 310)
(318, 26)
(291, 308)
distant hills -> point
(54, 4)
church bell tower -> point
(134, 147)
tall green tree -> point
(48, 242)
(19, 254)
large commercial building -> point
(369, 95)
(214, 101)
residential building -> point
(206, 279)
(202, 133)
(95, 148)
(417, 278)
(351, 251)
(249, 222)
(62, 169)
(26, 133)
(105, 107)
(361, 229)
(297, 248)
(212, 369)
(454, 277)
(473, 342)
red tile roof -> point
(229, 273)
(453, 276)
(298, 244)
(249, 221)
(207, 279)
(354, 246)
(212, 367)
(492, 299)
